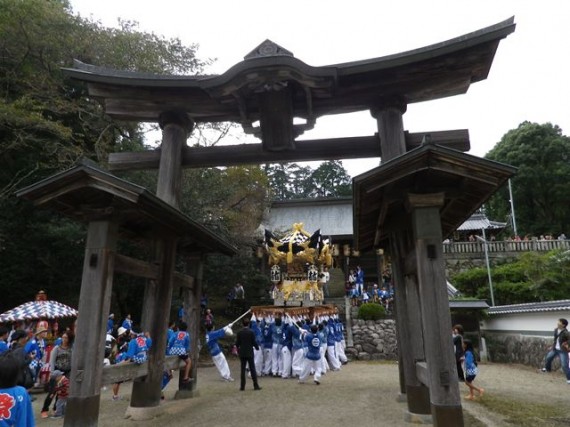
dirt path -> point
(360, 395)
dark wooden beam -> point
(127, 371)
(306, 150)
(146, 270)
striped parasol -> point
(35, 310)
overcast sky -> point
(528, 79)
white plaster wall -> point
(538, 323)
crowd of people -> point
(361, 293)
(24, 348)
(268, 346)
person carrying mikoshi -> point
(216, 352)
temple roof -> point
(479, 221)
(436, 71)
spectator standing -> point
(111, 323)
(208, 318)
(359, 279)
(560, 348)
(127, 323)
(326, 277)
(59, 361)
(245, 343)
(457, 334)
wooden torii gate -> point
(273, 87)
(115, 209)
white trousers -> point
(286, 362)
(298, 362)
(267, 356)
(332, 358)
(258, 361)
(276, 362)
(311, 365)
(222, 365)
(324, 363)
(340, 352)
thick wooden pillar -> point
(389, 116)
(158, 294)
(94, 303)
(176, 128)
(408, 329)
(434, 302)
(191, 301)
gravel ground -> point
(362, 394)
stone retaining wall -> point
(525, 350)
(373, 340)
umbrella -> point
(35, 310)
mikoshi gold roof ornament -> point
(298, 245)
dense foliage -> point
(541, 187)
(533, 277)
(48, 123)
(292, 181)
(371, 311)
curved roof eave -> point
(92, 73)
(492, 33)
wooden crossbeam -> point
(307, 150)
(134, 267)
(422, 373)
(127, 371)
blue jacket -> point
(212, 341)
(313, 342)
(178, 344)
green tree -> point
(48, 122)
(292, 181)
(532, 277)
(330, 179)
(541, 187)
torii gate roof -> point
(86, 192)
(466, 182)
(436, 71)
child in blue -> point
(218, 357)
(313, 356)
(354, 296)
(15, 405)
(471, 370)
(179, 345)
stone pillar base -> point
(143, 414)
(447, 415)
(186, 394)
(418, 418)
